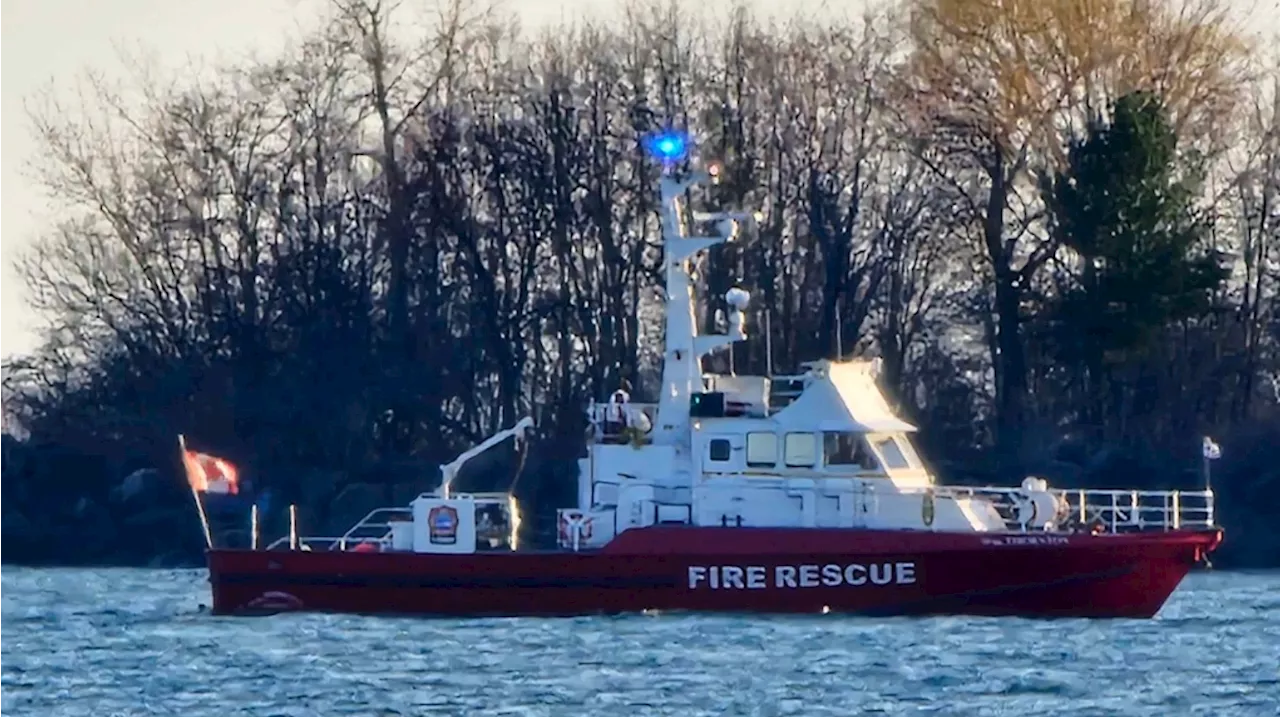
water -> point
(136, 642)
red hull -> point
(734, 570)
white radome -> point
(738, 298)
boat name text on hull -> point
(758, 577)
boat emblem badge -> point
(442, 525)
(571, 521)
(927, 509)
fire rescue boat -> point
(785, 494)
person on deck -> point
(615, 416)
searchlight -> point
(668, 147)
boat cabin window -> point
(718, 449)
(801, 450)
(895, 458)
(846, 448)
(762, 449)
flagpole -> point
(1209, 453)
(195, 494)
(253, 527)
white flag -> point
(1212, 451)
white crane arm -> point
(449, 471)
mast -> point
(683, 348)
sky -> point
(52, 42)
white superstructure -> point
(730, 450)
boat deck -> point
(1092, 511)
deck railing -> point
(373, 528)
(1114, 510)
(321, 543)
(785, 390)
(597, 413)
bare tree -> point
(993, 85)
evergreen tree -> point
(1125, 203)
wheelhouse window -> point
(762, 450)
(719, 449)
(846, 448)
(895, 458)
(801, 450)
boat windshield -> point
(895, 452)
(845, 448)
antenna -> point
(839, 339)
(768, 344)
(683, 348)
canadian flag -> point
(210, 474)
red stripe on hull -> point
(734, 570)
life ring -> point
(1021, 504)
(570, 520)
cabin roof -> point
(841, 396)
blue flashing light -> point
(668, 146)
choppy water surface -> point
(136, 642)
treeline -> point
(1056, 222)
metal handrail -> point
(380, 529)
(366, 523)
(331, 541)
(1116, 509)
(341, 542)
